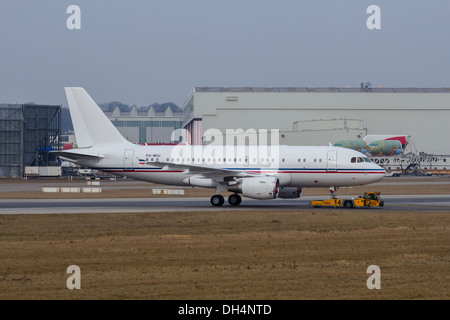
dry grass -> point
(145, 191)
(315, 254)
(307, 254)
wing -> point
(207, 172)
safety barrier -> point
(92, 190)
(168, 191)
(75, 190)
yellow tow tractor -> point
(369, 199)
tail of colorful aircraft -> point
(91, 125)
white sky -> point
(141, 52)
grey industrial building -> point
(27, 133)
(301, 116)
(318, 116)
(146, 125)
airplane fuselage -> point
(294, 166)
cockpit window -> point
(359, 159)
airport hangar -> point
(318, 116)
(153, 124)
(27, 133)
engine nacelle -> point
(261, 188)
(198, 181)
(290, 193)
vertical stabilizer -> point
(91, 125)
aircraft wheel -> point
(217, 200)
(234, 199)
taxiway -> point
(434, 203)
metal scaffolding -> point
(27, 133)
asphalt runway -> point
(432, 203)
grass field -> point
(223, 255)
(288, 255)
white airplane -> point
(252, 171)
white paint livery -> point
(258, 172)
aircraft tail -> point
(91, 125)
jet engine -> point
(290, 192)
(261, 188)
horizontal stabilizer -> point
(77, 155)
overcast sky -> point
(141, 52)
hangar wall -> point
(307, 116)
(27, 133)
(146, 126)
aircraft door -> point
(246, 161)
(128, 159)
(246, 156)
(332, 160)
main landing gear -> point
(217, 200)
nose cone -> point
(378, 173)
